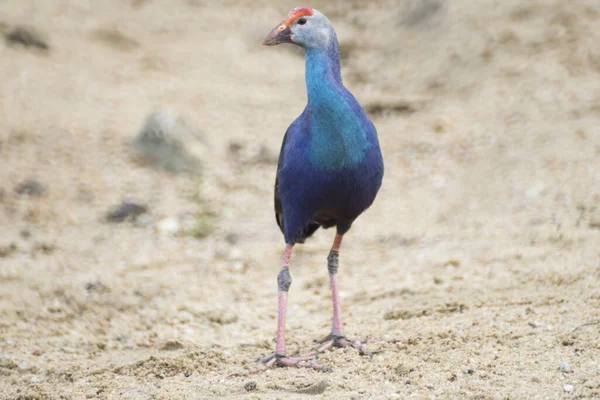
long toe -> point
(340, 341)
(277, 360)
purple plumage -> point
(330, 167)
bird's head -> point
(304, 26)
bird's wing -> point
(313, 225)
(278, 205)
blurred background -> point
(138, 246)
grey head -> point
(305, 27)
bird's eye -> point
(302, 21)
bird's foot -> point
(341, 341)
(279, 360)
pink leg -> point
(337, 338)
(338, 326)
(279, 358)
(284, 281)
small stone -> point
(188, 374)
(565, 367)
(530, 311)
(234, 148)
(568, 388)
(27, 37)
(164, 141)
(238, 266)
(314, 389)
(403, 370)
(232, 238)
(250, 386)
(96, 286)
(452, 263)
(6, 251)
(204, 225)
(442, 125)
(126, 210)
(31, 188)
(169, 226)
(568, 342)
(172, 345)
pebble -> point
(164, 141)
(565, 367)
(125, 211)
(169, 226)
(172, 345)
(250, 386)
(568, 388)
(27, 37)
(232, 238)
(234, 148)
(30, 187)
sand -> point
(480, 254)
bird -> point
(329, 171)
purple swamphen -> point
(330, 168)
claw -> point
(341, 341)
(307, 360)
(280, 360)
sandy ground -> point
(480, 254)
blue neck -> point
(322, 66)
(337, 122)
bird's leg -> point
(284, 280)
(337, 328)
(279, 358)
(337, 338)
